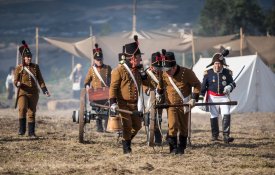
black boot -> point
(173, 144)
(226, 129)
(158, 138)
(126, 146)
(182, 144)
(31, 129)
(22, 126)
(99, 127)
(214, 128)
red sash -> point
(214, 93)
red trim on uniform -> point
(214, 93)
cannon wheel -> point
(152, 120)
(83, 102)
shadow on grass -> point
(20, 139)
(87, 142)
(231, 145)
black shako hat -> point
(97, 52)
(219, 57)
(157, 60)
(132, 49)
(169, 60)
(24, 50)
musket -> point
(137, 113)
(231, 103)
(18, 89)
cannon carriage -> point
(87, 112)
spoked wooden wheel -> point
(82, 110)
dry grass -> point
(57, 150)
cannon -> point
(88, 113)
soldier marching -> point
(178, 82)
(27, 79)
(125, 91)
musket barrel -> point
(119, 110)
(231, 103)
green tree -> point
(221, 17)
(212, 18)
(245, 14)
(270, 21)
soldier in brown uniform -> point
(98, 76)
(154, 77)
(126, 81)
(177, 78)
(27, 78)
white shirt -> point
(9, 80)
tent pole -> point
(241, 41)
(134, 16)
(92, 41)
(193, 48)
(72, 63)
(36, 46)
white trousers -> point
(215, 110)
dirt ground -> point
(57, 150)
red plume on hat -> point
(24, 49)
(97, 52)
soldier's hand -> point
(113, 107)
(158, 96)
(227, 89)
(192, 102)
(48, 94)
(18, 84)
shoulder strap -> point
(152, 76)
(131, 74)
(177, 89)
(31, 74)
(98, 76)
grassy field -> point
(57, 150)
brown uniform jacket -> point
(122, 86)
(184, 79)
(92, 79)
(28, 85)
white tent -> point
(255, 91)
